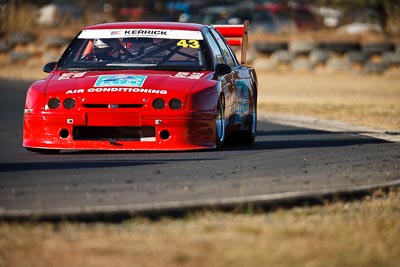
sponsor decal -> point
(116, 32)
(146, 32)
(141, 33)
(71, 75)
(120, 80)
(243, 101)
(189, 75)
(117, 90)
(75, 91)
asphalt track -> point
(285, 162)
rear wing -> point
(236, 35)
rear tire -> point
(220, 124)
(247, 137)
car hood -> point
(118, 84)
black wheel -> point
(377, 48)
(247, 137)
(302, 63)
(357, 56)
(302, 47)
(270, 47)
(342, 47)
(282, 56)
(42, 150)
(320, 55)
(55, 41)
(220, 125)
(4, 46)
(391, 58)
(376, 67)
(16, 38)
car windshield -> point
(136, 49)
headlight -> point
(69, 103)
(175, 104)
(159, 103)
(53, 103)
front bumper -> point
(119, 131)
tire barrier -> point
(302, 64)
(22, 47)
(391, 58)
(377, 48)
(283, 56)
(375, 67)
(372, 57)
(17, 38)
(359, 57)
(55, 41)
(302, 47)
(341, 47)
(303, 55)
(320, 56)
(4, 46)
(270, 47)
(339, 63)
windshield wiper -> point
(181, 68)
(131, 64)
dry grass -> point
(369, 100)
(20, 19)
(359, 233)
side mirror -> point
(49, 67)
(222, 69)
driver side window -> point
(215, 48)
(227, 52)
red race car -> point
(144, 86)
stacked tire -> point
(371, 57)
(21, 47)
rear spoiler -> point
(236, 35)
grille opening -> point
(107, 132)
(64, 133)
(164, 134)
(108, 105)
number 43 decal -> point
(189, 43)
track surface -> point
(283, 159)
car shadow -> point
(305, 138)
(83, 164)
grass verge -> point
(352, 233)
(367, 100)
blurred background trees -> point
(380, 15)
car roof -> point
(147, 25)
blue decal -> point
(242, 96)
(120, 80)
